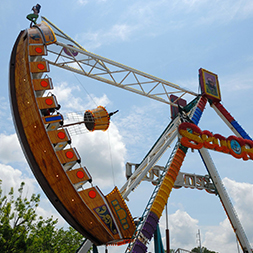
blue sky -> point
(170, 40)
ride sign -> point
(193, 137)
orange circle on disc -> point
(80, 174)
(92, 194)
(61, 135)
(69, 154)
(38, 50)
(44, 83)
(49, 101)
(40, 66)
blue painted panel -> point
(196, 116)
(57, 117)
(240, 130)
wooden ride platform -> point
(102, 219)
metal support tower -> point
(67, 54)
(225, 200)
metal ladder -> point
(144, 216)
(138, 234)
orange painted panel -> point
(47, 102)
(38, 67)
(78, 175)
(39, 150)
(37, 50)
(68, 155)
(59, 136)
(42, 84)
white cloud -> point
(64, 95)
(82, 2)
(140, 126)
(238, 82)
(120, 31)
(138, 116)
(13, 177)
(183, 230)
(6, 125)
(94, 39)
(97, 101)
(85, 2)
(221, 238)
(10, 150)
(103, 153)
(90, 40)
(141, 19)
(4, 106)
(242, 194)
(219, 11)
(70, 100)
(46, 210)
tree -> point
(204, 250)
(22, 231)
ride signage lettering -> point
(193, 137)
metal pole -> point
(199, 238)
(167, 232)
(75, 123)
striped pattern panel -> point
(232, 121)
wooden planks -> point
(44, 145)
(41, 155)
(59, 138)
(79, 176)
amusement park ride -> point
(106, 219)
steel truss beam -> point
(155, 153)
(151, 158)
(69, 55)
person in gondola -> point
(34, 16)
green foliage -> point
(204, 250)
(22, 231)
